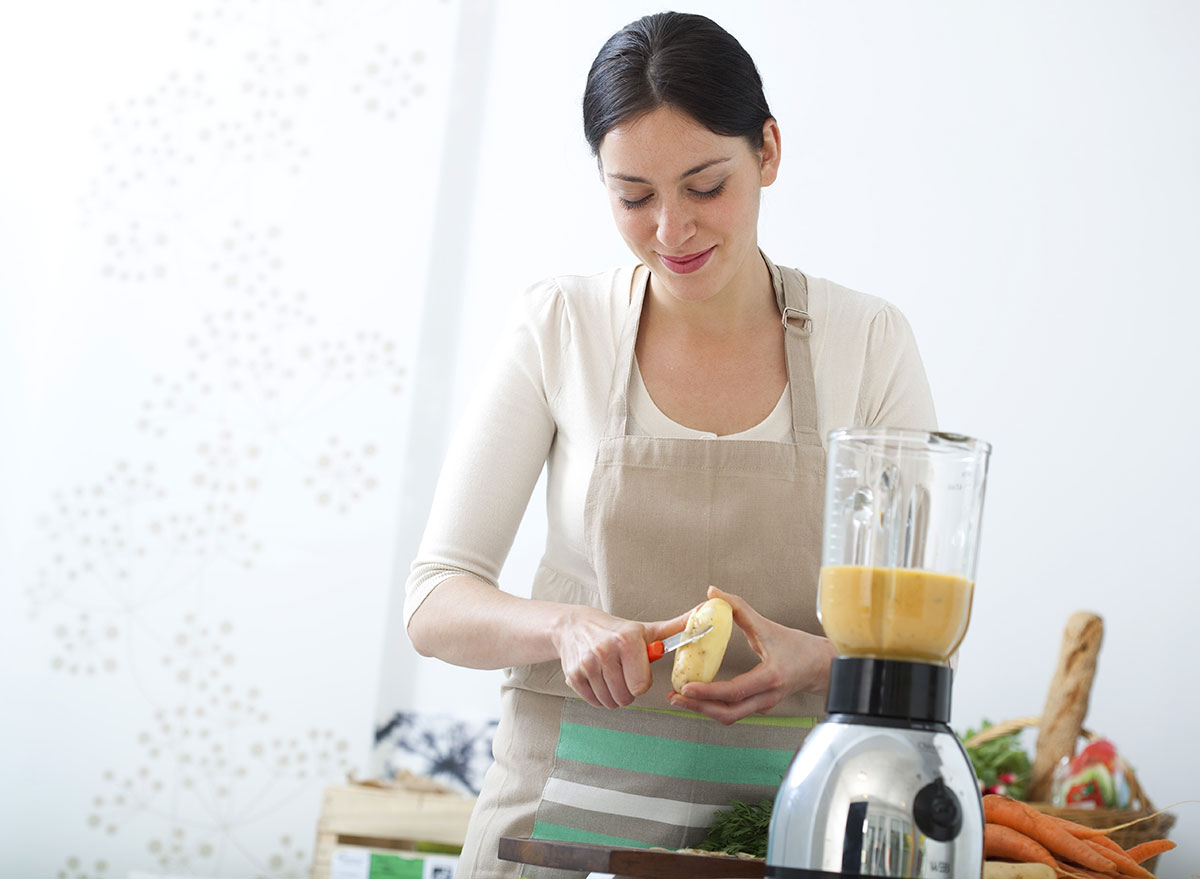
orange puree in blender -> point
(894, 613)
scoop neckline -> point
(664, 425)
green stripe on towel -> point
(559, 833)
(671, 757)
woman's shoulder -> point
(839, 304)
(846, 320)
(566, 301)
(586, 291)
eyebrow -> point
(688, 173)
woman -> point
(680, 407)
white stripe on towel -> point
(598, 799)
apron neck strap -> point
(618, 396)
(791, 294)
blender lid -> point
(939, 441)
(890, 688)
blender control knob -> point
(937, 811)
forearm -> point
(467, 622)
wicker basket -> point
(1154, 826)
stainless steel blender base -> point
(873, 797)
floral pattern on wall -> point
(269, 422)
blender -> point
(882, 786)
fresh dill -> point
(742, 828)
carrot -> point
(1144, 850)
(1029, 821)
(1000, 841)
(1126, 865)
(1080, 831)
(1119, 854)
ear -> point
(769, 158)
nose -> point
(675, 224)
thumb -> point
(743, 614)
(746, 618)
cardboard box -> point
(389, 820)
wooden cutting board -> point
(624, 861)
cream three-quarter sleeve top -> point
(542, 401)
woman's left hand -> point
(792, 661)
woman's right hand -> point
(471, 623)
(604, 657)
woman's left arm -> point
(792, 662)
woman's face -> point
(686, 201)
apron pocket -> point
(646, 777)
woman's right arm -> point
(499, 447)
(468, 622)
(454, 608)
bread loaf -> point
(1067, 700)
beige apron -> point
(665, 518)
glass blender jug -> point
(882, 786)
(902, 517)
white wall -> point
(1022, 180)
(213, 250)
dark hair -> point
(679, 60)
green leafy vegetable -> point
(743, 828)
(1000, 764)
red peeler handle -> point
(654, 650)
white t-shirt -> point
(543, 398)
(646, 419)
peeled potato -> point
(701, 660)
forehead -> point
(664, 143)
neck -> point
(746, 302)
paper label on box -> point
(350, 863)
(360, 863)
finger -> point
(732, 597)
(725, 712)
(741, 607)
(589, 676)
(760, 679)
(616, 687)
(584, 691)
(635, 665)
(656, 631)
(602, 693)
(746, 618)
(604, 668)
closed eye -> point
(630, 204)
(710, 193)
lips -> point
(683, 265)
